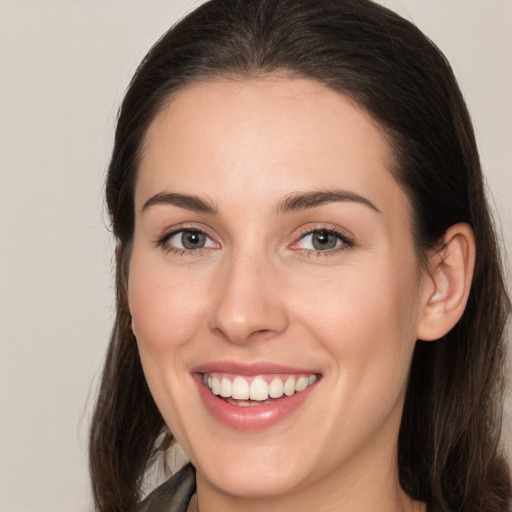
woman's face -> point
(273, 257)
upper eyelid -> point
(188, 227)
(343, 233)
(169, 233)
(347, 239)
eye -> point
(188, 240)
(323, 240)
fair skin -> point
(232, 276)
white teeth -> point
(289, 386)
(258, 389)
(301, 384)
(215, 387)
(240, 389)
(225, 387)
(275, 389)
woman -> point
(310, 298)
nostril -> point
(241, 336)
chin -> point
(247, 481)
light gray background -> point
(64, 65)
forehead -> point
(271, 136)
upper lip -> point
(250, 369)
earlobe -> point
(448, 283)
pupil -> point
(193, 239)
(323, 240)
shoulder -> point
(173, 495)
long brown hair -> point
(448, 445)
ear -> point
(447, 284)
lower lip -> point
(252, 417)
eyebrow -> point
(309, 200)
(189, 202)
(293, 203)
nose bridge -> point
(249, 302)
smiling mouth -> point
(258, 390)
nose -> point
(249, 303)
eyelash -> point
(346, 241)
(163, 242)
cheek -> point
(164, 305)
(366, 318)
(165, 313)
(355, 301)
